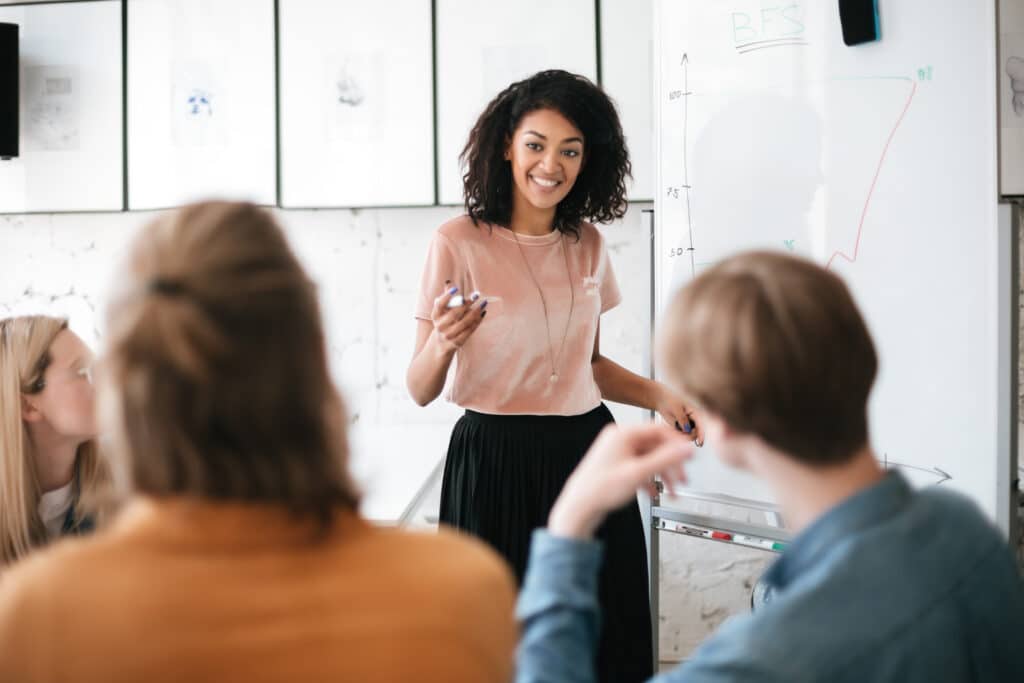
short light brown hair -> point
(217, 363)
(775, 345)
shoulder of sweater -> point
(452, 553)
(591, 235)
(460, 228)
(47, 570)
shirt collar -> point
(53, 504)
(860, 511)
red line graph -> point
(871, 190)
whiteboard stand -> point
(1011, 219)
(731, 118)
(649, 503)
(415, 505)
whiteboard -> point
(877, 161)
(71, 133)
(485, 45)
(627, 75)
(1011, 96)
(357, 93)
(201, 102)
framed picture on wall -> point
(1011, 98)
(356, 95)
(483, 46)
(201, 98)
(627, 74)
(71, 125)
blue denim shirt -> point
(890, 585)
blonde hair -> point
(24, 356)
(775, 345)
(217, 367)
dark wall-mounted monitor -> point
(8, 91)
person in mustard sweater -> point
(239, 553)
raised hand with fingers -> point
(621, 460)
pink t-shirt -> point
(505, 367)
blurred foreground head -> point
(215, 382)
(775, 347)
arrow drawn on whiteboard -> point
(940, 475)
(685, 63)
(871, 189)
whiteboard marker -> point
(700, 532)
(762, 543)
(457, 300)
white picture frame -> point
(356, 94)
(71, 123)
(1011, 98)
(201, 102)
(627, 75)
(485, 45)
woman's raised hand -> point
(453, 326)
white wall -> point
(367, 264)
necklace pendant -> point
(553, 378)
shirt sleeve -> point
(558, 611)
(442, 266)
(605, 274)
(560, 621)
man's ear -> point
(714, 427)
(719, 425)
(29, 411)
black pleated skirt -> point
(503, 474)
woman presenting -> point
(513, 291)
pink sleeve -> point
(442, 265)
(605, 274)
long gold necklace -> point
(547, 324)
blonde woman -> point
(240, 554)
(48, 457)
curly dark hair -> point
(599, 193)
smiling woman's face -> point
(546, 154)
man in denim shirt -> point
(881, 583)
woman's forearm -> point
(622, 386)
(428, 371)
